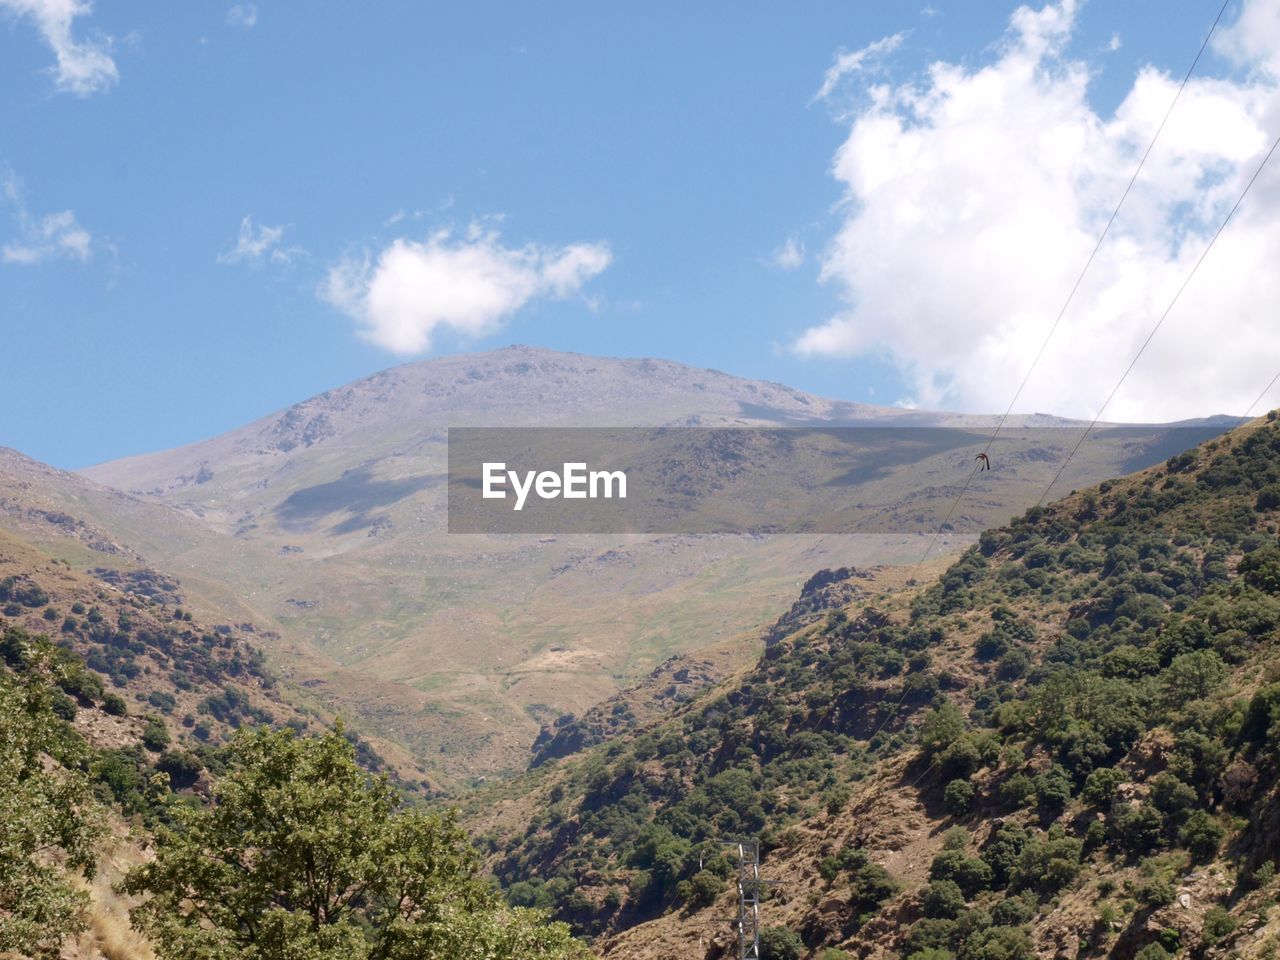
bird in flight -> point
(986, 461)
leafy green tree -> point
(779, 943)
(304, 856)
(155, 736)
(44, 809)
(998, 943)
(940, 728)
(958, 797)
(1100, 786)
(943, 900)
(1202, 835)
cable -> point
(1160, 322)
(1258, 399)
(1076, 286)
(1058, 320)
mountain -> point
(1064, 746)
(326, 522)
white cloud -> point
(83, 66)
(1254, 39)
(789, 256)
(259, 244)
(407, 292)
(53, 236)
(857, 61)
(974, 195)
(243, 15)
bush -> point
(940, 728)
(1218, 923)
(779, 943)
(183, 768)
(701, 889)
(1017, 791)
(1100, 786)
(1156, 892)
(1201, 835)
(155, 735)
(943, 900)
(998, 943)
(115, 705)
(958, 797)
(1014, 911)
(970, 874)
(1138, 829)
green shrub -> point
(998, 943)
(1156, 892)
(1218, 923)
(779, 943)
(1201, 835)
(958, 797)
(1100, 786)
(943, 900)
(970, 874)
(155, 735)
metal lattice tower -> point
(749, 888)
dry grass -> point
(110, 935)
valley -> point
(325, 525)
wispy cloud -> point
(974, 193)
(83, 66)
(789, 256)
(857, 61)
(404, 294)
(257, 244)
(243, 15)
(50, 237)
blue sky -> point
(619, 179)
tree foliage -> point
(302, 855)
(47, 813)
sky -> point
(209, 211)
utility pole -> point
(749, 888)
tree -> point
(302, 855)
(43, 810)
(1202, 835)
(779, 943)
(941, 727)
(943, 900)
(958, 797)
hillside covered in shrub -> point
(138, 748)
(1065, 746)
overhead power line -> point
(1058, 319)
(1159, 323)
(1075, 286)
(1258, 399)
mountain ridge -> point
(1061, 747)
